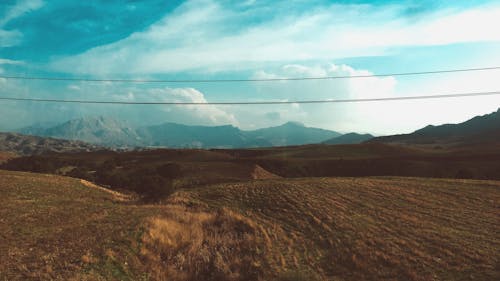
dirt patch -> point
(117, 195)
(6, 156)
(260, 173)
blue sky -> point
(205, 39)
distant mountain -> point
(113, 133)
(480, 129)
(97, 130)
(28, 145)
(350, 138)
(177, 135)
(291, 133)
(36, 129)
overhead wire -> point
(380, 99)
(82, 79)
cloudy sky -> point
(208, 39)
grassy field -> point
(373, 228)
(60, 228)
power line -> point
(80, 79)
(438, 96)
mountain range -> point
(478, 130)
(110, 132)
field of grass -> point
(372, 228)
(60, 228)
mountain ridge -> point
(479, 129)
(110, 132)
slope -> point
(292, 133)
(371, 228)
(98, 130)
(59, 228)
(350, 138)
(29, 145)
(478, 130)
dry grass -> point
(184, 244)
(373, 228)
(57, 228)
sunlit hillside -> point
(60, 228)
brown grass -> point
(373, 228)
(193, 245)
(57, 228)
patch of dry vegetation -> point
(184, 244)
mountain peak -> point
(293, 124)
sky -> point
(253, 39)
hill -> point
(350, 138)
(59, 228)
(371, 228)
(291, 133)
(29, 145)
(480, 129)
(154, 174)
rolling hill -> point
(60, 228)
(480, 129)
(30, 145)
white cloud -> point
(202, 35)
(9, 38)
(21, 7)
(206, 114)
(11, 62)
(385, 117)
